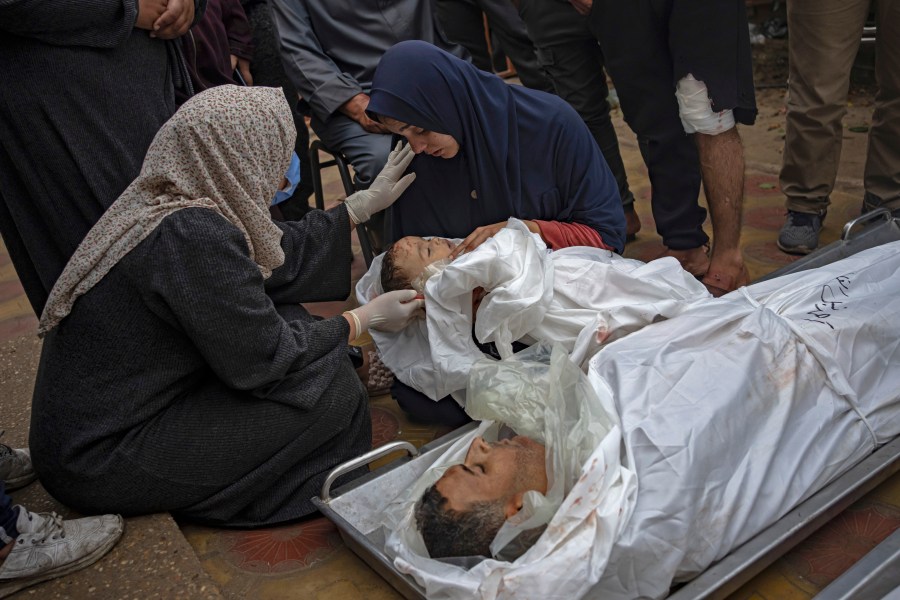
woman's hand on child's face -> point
(476, 238)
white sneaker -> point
(48, 547)
(15, 467)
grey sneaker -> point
(49, 547)
(15, 467)
(800, 233)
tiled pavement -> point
(308, 560)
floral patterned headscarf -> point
(226, 149)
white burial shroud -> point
(744, 406)
(731, 414)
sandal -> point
(718, 285)
(373, 373)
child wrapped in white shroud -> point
(532, 295)
(730, 415)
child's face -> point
(413, 254)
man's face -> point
(503, 470)
(412, 254)
(432, 143)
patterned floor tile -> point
(385, 426)
(850, 536)
(820, 559)
(290, 548)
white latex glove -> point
(391, 311)
(386, 188)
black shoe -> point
(872, 202)
(800, 233)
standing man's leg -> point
(883, 160)
(823, 37)
(634, 39)
(463, 23)
(722, 166)
(710, 45)
(571, 56)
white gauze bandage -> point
(695, 109)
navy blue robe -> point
(523, 153)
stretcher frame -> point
(355, 508)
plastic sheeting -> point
(533, 294)
(731, 414)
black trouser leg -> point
(570, 55)
(463, 24)
(634, 39)
(507, 25)
(576, 69)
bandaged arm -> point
(695, 109)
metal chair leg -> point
(339, 161)
(316, 170)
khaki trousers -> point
(824, 36)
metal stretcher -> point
(356, 508)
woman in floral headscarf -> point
(179, 372)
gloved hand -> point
(391, 311)
(386, 188)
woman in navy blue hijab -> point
(488, 151)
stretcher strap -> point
(836, 379)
